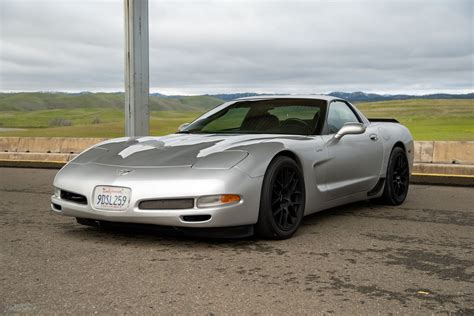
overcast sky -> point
(199, 47)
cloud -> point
(226, 46)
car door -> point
(354, 161)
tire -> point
(397, 178)
(282, 200)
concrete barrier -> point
(40, 144)
(45, 152)
(443, 168)
(424, 151)
(9, 144)
(443, 152)
(431, 157)
(453, 153)
(52, 157)
(33, 160)
(444, 158)
(77, 145)
(47, 144)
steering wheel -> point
(296, 122)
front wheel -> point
(397, 179)
(282, 200)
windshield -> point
(276, 116)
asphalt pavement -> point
(363, 258)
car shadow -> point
(141, 233)
(343, 210)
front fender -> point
(260, 156)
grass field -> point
(427, 119)
(33, 101)
(36, 123)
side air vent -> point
(167, 204)
(73, 197)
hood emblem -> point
(123, 172)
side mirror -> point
(182, 126)
(350, 128)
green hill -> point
(32, 101)
(101, 114)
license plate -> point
(111, 198)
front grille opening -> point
(196, 218)
(73, 197)
(166, 204)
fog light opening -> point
(196, 218)
(57, 207)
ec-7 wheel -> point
(397, 179)
(282, 200)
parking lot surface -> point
(358, 259)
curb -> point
(442, 179)
(31, 164)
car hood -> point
(205, 150)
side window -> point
(339, 114)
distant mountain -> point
(28, 101)
(222, 96)
(373, 97)
(156, 94)
(233, 96)
(357, 96)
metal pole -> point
(137, 85)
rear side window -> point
(340, 114)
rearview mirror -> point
(182, 127)
(350, 128)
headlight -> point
(57, 192)
(218, 200)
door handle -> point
(373, 137)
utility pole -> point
(137, 86)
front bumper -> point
(161, 183)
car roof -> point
(327, 98)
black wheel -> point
(282, 200)
(397, 179)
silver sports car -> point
(253, 164)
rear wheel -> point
(397, 179)
(282, 199)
